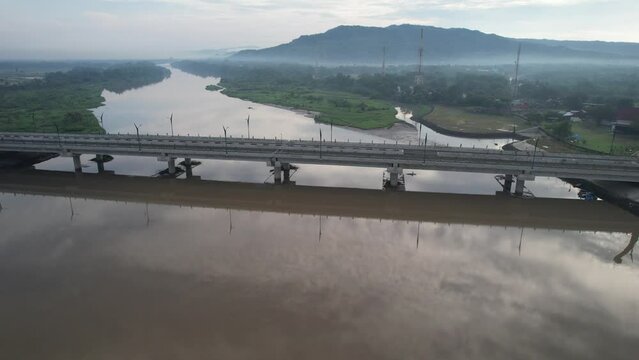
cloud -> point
(161, 28)
(356, 8)
(103, 18)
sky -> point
(136, 29)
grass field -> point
(340, 108)
(599, 138)
(458, 119)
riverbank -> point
(442, 119)
(458, 122)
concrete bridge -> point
(484, 210)
(281, 154)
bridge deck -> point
(596, 167)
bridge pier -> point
(171, 162)
(519, 187)
(286, 169)
(395, 172)
(281, 169)
(508, 183)
(99, 160)
(277, 171)
(188, 167)
(521, 183)
(77, 164)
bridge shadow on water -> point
(492, 210)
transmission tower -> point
(419, 79)
(384, 60)
(516, 80)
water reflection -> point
(446, 208)
(207, 282)
(628, 249)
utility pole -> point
(534, 154)
(248, 126)
(137, 131)
(226, 151)
(425, 141)
(320, 145)
(331, 130)
(57, 130)
(171, 120)
(614, 134)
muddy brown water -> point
(121, 267)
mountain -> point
(616, 48)
(216, 53)
(348, 45)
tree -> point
(562, 129)
(575, 101)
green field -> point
(599, 138)
(459, 119)
(339, 108)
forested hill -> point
(348, 45)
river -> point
(100, 270)
(200, 112)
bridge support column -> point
(508, 183)
(277, 172)
(171, 165)
(519, 187)
(77, 164)
(188, 167)
(286, 168)
(395, 172)
(99, 160)
(520, 184)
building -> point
(627, 120)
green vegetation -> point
(466, 99)
(560, 129)
(328, 106)
(63, 99)
(598, 139)
(464, 119)
(351, 96)
(420, 111)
